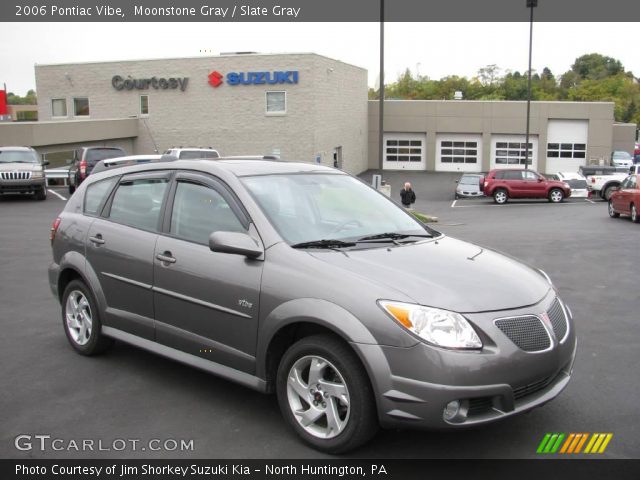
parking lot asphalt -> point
(47, 389)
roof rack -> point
(119, 162)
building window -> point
(512, 153)
(81, 107)
(566, 150)
(397, 150)
(144, 104)
(459, 152)
(276, 102)
(59, 107)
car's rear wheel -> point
(612, 212)
(556, 195)
(500, 196)
(634, 214)
(325, 395)
(81, 320)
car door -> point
(622, 197)
(120, 249)
(534, 185)
(206, 303)
(514, 181)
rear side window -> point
(138, 203)
(509, 175)
(96, 195)
(96, 154)
(198, 211)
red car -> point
(626, 200)
(503, 184)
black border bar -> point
(319, 11)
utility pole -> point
(531, 4)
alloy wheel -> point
(78, 317)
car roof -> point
(17, 148)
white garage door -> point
(458, 152)
(509, 151)
(404, 151)
(566, 145)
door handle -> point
(97, 239)
(166, 257)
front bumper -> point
(414, 385)
(22, 186)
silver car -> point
(300, 280)
(468, 186)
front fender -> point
(309, 310)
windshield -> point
(195, 154)
(622, 155)
(18, 156)
(312, 207)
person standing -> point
(407, 195)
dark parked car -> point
(22, 171)
(301, 280)
(85, 158)
(626, 199)
(504, 184)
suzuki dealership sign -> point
(289, 77)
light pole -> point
(531, 4)
(381, 100)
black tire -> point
(635, 217)
(612, 212)
(93, 343)
(556, 195)
(606, 194)
(501, 196)
(343, 368)
(41, 194)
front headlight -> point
(37, 174)
(438, 327)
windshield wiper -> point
(324, 243)
(392, 236)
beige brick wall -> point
(229, 118)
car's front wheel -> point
(500, 196)
(612, 212)
(81, 320)
(325, 395)
(556, 195)
(634, 214)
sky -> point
(435, 50)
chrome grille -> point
(558, 320)
(527, 332)
(16, 175)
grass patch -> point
(423, 218)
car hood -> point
(446, 273)
(23, 167)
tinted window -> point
(94, 155)
(137, 202)
(512, 175)
(199, 211)
(96, 193)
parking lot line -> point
(56, 194)
(453, 205)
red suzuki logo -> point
(215, 79)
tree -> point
(594, 66)
(29, 99)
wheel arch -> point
(73, 266)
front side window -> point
(310, 207)
(530, 176)
(96, 193)
(59, 107)
(276, 102)
(144, 104)
(81, 107)
(137, 203)
(198, 211)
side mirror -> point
(45, 163)
(69, 161)
(236, 243)
(457, 181)
(540, 179)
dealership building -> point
(303, 107)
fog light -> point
(451, 410)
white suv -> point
(189, 153)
